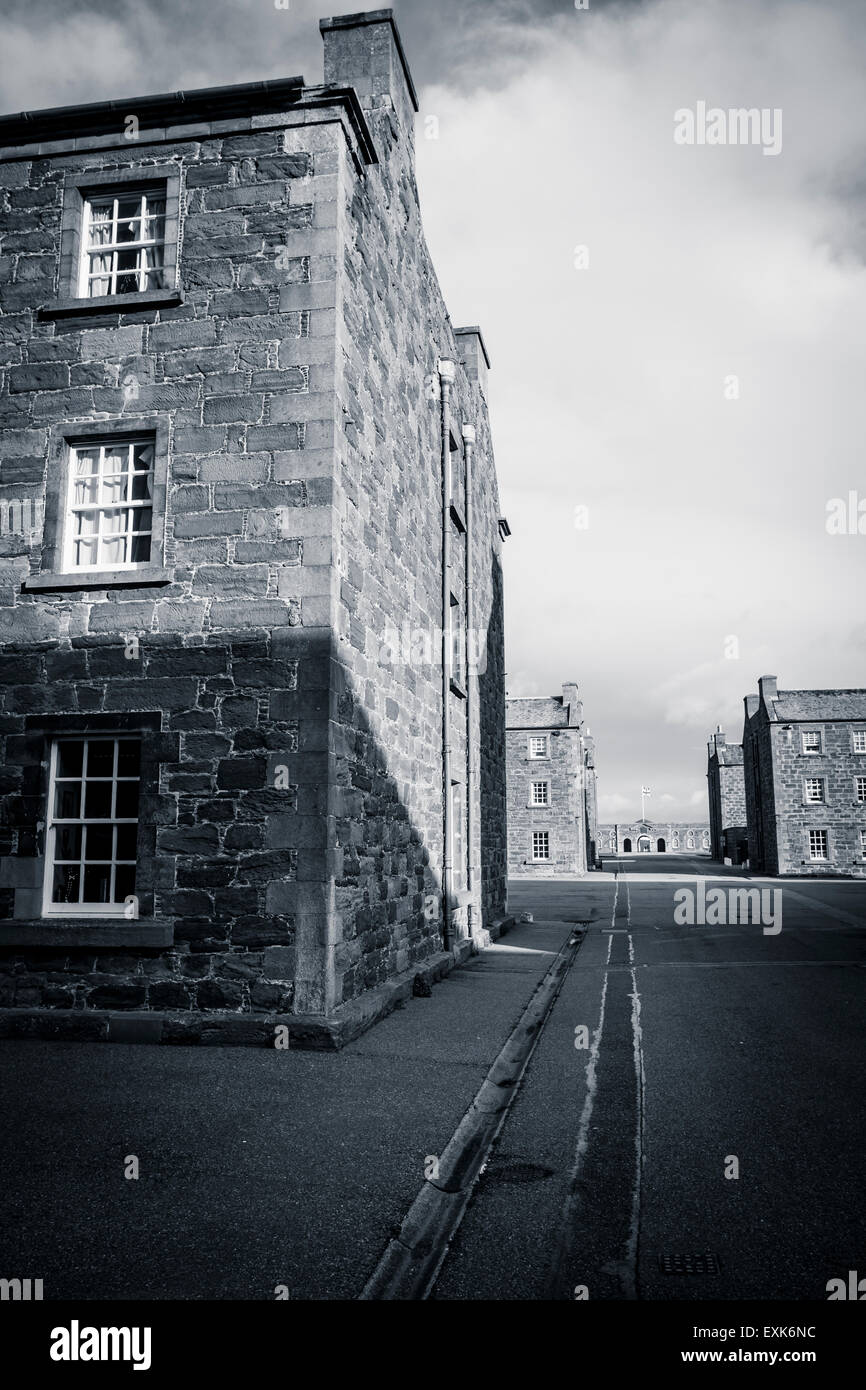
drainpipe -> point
(447, 373)
(469, 456)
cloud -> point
(608, 384)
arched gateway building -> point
(654, 837)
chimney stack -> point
(768, 692)
(572, 704)
(473, 356)
(364, 51)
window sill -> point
(108, 303)
(87, 931)
(98, 579)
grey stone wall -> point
(392, 327)
(840, 815)
(564, 818)
(292, 816)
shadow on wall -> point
(491, 698)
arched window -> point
(690, 842)
(611, 839)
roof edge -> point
(188, 103)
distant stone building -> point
(654, 837)
(551, 786)
(804, 764)
(727, 797)
(253, 695)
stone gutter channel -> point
(412, 1260)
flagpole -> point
(642, 804)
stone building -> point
(804, 766)
(253, 702)
(654, 837)
(727, 797)
(550, 757)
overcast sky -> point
(610, 387)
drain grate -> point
(689, 1264)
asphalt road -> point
(718, 1111)
(258, 1169)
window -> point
(540, 844)
(458, 648)
(863, 843)
(110, 504)
(92, 826)
(611, 840)
(540, 795)
(675, 842)
(105, 506)
(860, 788)
(123, 246)
(811, 741)
(705, 839)
(690, 841)
(458, 835)
(538, 746)
(859, 737)
(814, 789)
(817, 844)
(118, 241)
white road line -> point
(630, 1279)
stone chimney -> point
(473, 356)
(572, 703)
(752, 703)
(768, 693)
(364, 51)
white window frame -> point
(103, 446)
(810, 783)
(545, 793)
(819, 858)
(863, 844)
(85, 909)
(539, 838)
(812, 733)
(113, 196)
(535, 754)
(860, 788)
(858, 736)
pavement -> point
(260, 1169)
